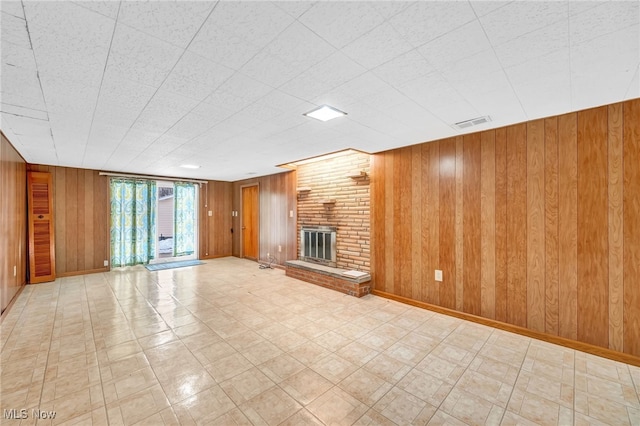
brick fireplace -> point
(333, 193)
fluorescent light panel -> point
(325, 113)
(189, 166)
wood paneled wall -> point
(535, 224)
(81, 219)
(13, 222)
(215, 230)
(277, 195)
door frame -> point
(241, 213)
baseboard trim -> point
(562, 341)
(85, 272)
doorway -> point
(176, 229)
(250, 222)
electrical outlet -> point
(438, 275)
(210, 213)
(106, 263)
(290, 213)
(279, 249)
(15, 270)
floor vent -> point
(473, 122)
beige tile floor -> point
(227, 343)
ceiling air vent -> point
(473, 122)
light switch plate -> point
(438, 276)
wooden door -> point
(250, 226)
(42, 265)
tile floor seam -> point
(53, 324)
(104, 400)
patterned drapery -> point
(133, 221)
(185, 219)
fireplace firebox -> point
(318, 244)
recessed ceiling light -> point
(325, 113)
(189, 166)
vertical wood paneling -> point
(397, 201)
(516, 232)
(89, 208)
(13, 225)
(60, 208)
(80, 224)
(551, 225)
(447, 220)
(405, 220)
(501, 224)
(430, 222)
(535, 226)
(631, 209)
(416, 224)
(555, 208)
(568, 224)
(616, 236)
(389, 219)
(378, 240)
(459, 224)
(277, 228)
(471, 215)
(71, 207)
(488, 225)
(593, 224)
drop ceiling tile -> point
(518, 18)
(144, 58)
(212, 114)
(389, 9)
(607, 18)
(294, 8)
(202, 70)
(105, 8)
(184, 86)
(634, 87)
(300, 47)
(190, 126)
(425, 21)
(378, 46)
(362, 86)
(474, 67)
(538, 69)
(270, 69)
(465, 41)
(404, 68)
(22, 111)
(537, 43)
(173, 22)
(122, 91)
(243, 87)
(14, 31)
(482, 7)
(332, 72)
(12, 8)
(431, 92)
(340, 23)
(18, 57)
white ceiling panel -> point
(521, 17)
(425, 21)
(172, 22)
(465, 41)
(378, 46)
(532, 45)
(341, 23)
(143, 87)
(604, 19)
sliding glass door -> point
(177, 221)
(153, 221)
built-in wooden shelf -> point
(303, 189)
(359, 174)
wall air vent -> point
(461, 125)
